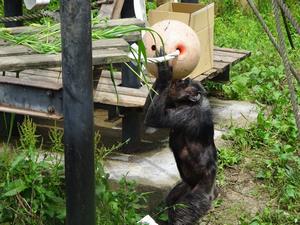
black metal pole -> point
(78, 111)
(13, 8)
(131, 124)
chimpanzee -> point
(182, 106)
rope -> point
(288, 14)
(21, 18)
(285, 60)
(271, 37)
(54, 15)
(134, 55)
(165, 58)
(287, 29)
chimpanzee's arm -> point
(156, 112)
(156, 100)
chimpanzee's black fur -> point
(182, 106)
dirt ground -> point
(241, 196)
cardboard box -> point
(200, 17)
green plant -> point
(271, 143)
(32, 184)
(227, 157)
(31, 190)
(8, 123)
(56, 138)
(123, 205)
(150, 5)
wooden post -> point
(78, 110)
(13, 8)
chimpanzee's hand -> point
(165, 72)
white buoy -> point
(33, 4)
(176, 36)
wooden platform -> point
(104, 91)
(45, 68)
(223, 58)
(31, 84)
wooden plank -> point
(122, 100)
(118, 76)
(232, 50)
(117, 9)
(104, 80)
(104, 84)
(39, 60)
(106, 10)
(106, 74)
(200, 78)
(109, 56)
(232, 54)
(32, 78)
(10, 109)
(56, 72)
(119, 43)
(53, 77)
(111, 11)
(132, 37)
(225, 59)
(14, 50)
(220, 65)
(209, 72)
(26, 83)
(109, 88)
(42, 73)
(58, 69)
(232, 57)
(4, 43)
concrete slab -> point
(229, 112)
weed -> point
(272, 142)
(32, 184)
(31, 189)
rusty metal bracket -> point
(31, 98)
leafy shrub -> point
(31, 190)
(32, 185)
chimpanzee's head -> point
(187, 91)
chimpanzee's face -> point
(186, 91)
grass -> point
(272, 141)
(32, 184)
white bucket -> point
(32, 4)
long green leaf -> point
(15, 187)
